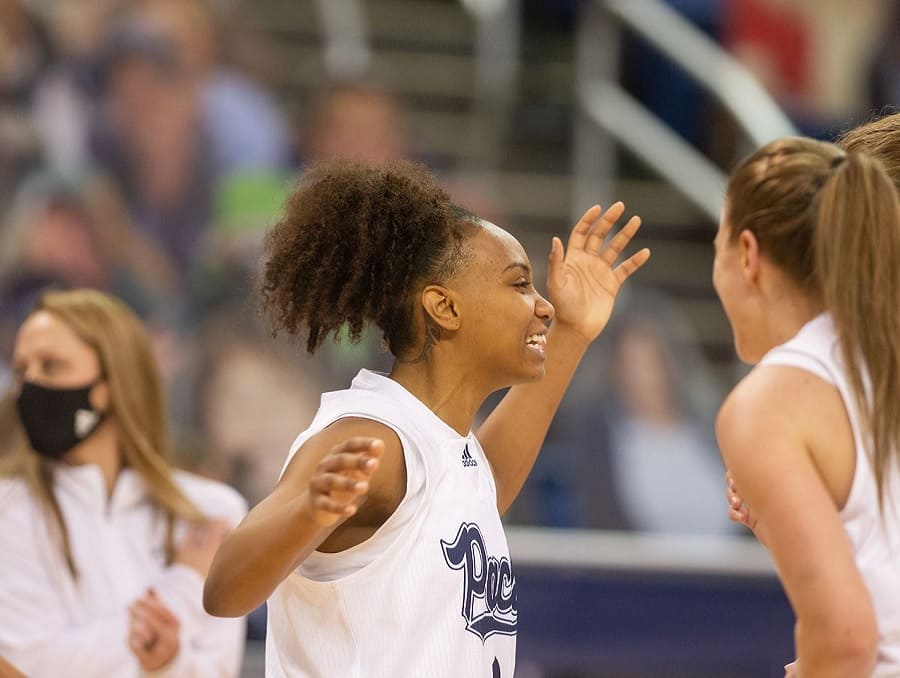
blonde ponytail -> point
(857, 262)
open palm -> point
(583, 280)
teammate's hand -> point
(200, 544)
(583, 280)
(792, 670)
(340, 483)
(153, 632)
(738, 511)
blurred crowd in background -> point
(145, 146)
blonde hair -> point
(831, 221)
(880, 139)
(136, 409)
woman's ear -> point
(749, 255)
(440, 305)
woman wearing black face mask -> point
(104, 546)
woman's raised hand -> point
(583, 279)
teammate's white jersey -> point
(432, 593)
(876, 542)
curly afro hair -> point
(354, 242)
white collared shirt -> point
(52, 625)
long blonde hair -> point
(137, 410)
(831, 221)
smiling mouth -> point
(537, 342)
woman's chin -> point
(535, 373)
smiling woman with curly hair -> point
(381, 549)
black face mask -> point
(56, 419)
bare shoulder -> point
(774, 402)
(388, 484)
(357, 427)
(323, 442)
(781, 423)
(769, 429)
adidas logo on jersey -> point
(468, 459)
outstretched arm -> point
(319, 493)
(7, 670)
(583, 282)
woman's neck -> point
(100, 448)
(789, 315)
(783, 306)
(448, 391)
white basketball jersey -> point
(432, 592)
(876, 541)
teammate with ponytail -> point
(807, 268)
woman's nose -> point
(544, 309)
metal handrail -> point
(651, 140)
(735, 87)
(605, 104)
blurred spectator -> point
(51, 237)
(63, 100)
(26, 52)
(79, 27)
(665, 464)
(361, 121)
(201, 151)
(632, 447)
(355, 120)
(246, 128)
(151, 139)
(74, 232)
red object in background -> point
(780, 32)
